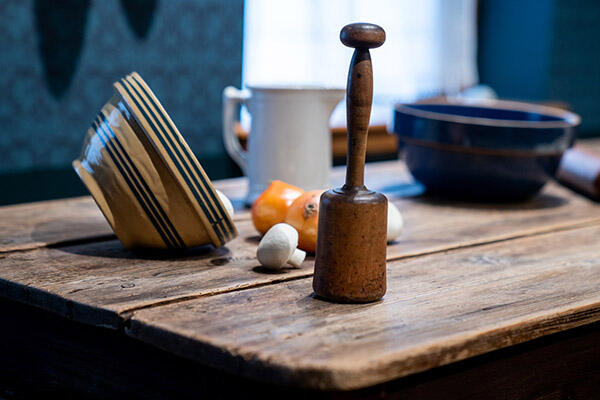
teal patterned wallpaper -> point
(59, 59)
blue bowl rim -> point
(567, 119)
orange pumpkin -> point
(271, 206)
(303, 215)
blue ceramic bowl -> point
(494, 151)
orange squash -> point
(271, 206)
(303, 215)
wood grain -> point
(439, 309)
(96, 283)
(359, 96)
(99, 283)
(63, 222)
(437, 225)
(27, 226)
(67, 221)
(379, 143)
(350, 260)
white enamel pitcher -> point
(289, 136)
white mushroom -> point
(226, 203)
(395, 223)
(278, 247)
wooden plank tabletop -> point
(101, 283)
(32, 225)
(463, 279)
(438, 309)
(77, 220)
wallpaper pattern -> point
(59, 59)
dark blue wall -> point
(59, 59)
(514, 47)
(543, 50)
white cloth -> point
(430, 47)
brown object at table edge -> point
(580, 169)
(380, 141)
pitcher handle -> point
(232, 97)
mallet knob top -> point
(362, 35)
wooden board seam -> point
(79, 241)
(346, 377)
(111, 236)
(122, 315)
(498, 239)
(126, 313)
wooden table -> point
(484, 301)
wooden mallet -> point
(351, 241)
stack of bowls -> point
(144, 177)
(492, 151)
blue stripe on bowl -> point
(198, 190)
(163, 217)
(187, 154)
(133, 185)
(200, 195)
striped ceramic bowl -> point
(144, 177)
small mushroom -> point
(226, 203)
(278, 247)
(395, 223)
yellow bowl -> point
(144, 177)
